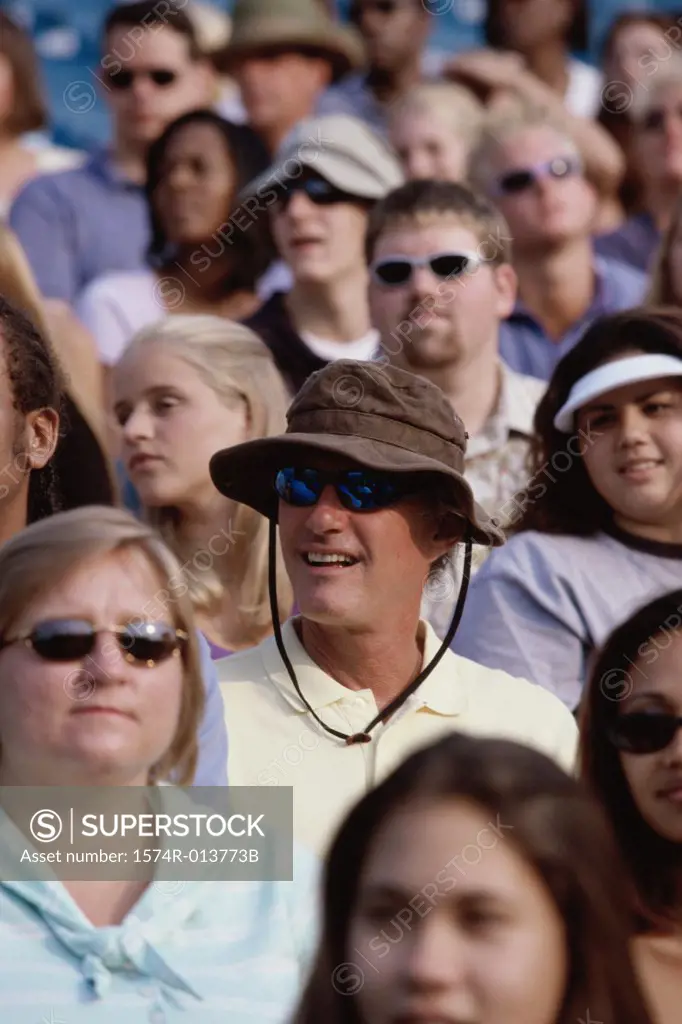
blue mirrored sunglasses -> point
(360, 490)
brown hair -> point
(662, 288)
(29, 110)
(555, 826)
(152, 15)
(653, 860)
(35, 562)
(418, 201)
(659, 19)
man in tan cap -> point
(283, 54)
(367, 489)
(318, 195)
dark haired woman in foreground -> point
(478, 883)
(600, 523)
(631, 756)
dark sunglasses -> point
(318, 190)
(644, 732)
(147, 643)
(360, 490)
(122, 80)
(394, 271)
(358, 8)
(523, 179)
(654, 120)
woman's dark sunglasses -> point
(521, 180)
(318, 191)
(394, 271)
(359, 490)
(123, 79)
(644, 732)
(146, 643)
(655, 119)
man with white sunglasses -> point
(529, 166)
(441, 282)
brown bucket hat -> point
(378, 415)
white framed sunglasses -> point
(396, 271)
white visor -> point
(614, 375)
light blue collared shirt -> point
(187, 953)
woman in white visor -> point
(599, 525)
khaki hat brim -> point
(342, 171)
(344, 48)
(245, 473)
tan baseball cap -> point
(340, 148)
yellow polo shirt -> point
(274, 741)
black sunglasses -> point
(394, 271)
(644, 732)
(147, 643)
(318, 190)
(360, 490)
(654, 120)
(123, 79)
(523, 179)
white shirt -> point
(583, 95)
(115, 306)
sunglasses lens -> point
(365, 492)
(393, 272)
(654, 121)
(121, 79)
(450, 265)
(149, 641)
(162, 77)
(63, 639)
(517, 181)
(642, 733)
(300, 487)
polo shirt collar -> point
(441, 692)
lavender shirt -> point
(635, 242)
(541, 605)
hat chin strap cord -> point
(397, 702)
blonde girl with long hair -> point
(185, 388)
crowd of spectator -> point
(341, 447)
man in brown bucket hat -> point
(368, 491)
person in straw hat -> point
(283, 56)
(368, 491)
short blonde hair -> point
(453, 104)
(501, 125)
(40, 557)
(233, 361)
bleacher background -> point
(66, 36)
